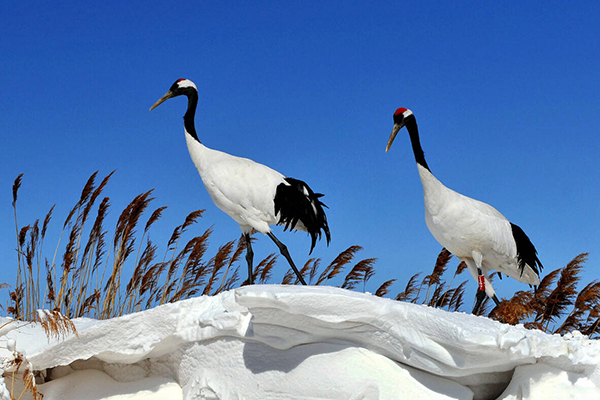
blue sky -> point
(506, 95)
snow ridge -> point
(275, 342)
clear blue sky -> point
(506, 94)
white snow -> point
(289, 342)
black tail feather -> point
(526, 252)
(297, 202)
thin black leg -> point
(480, 296)
(286, 254)
(249, 258)
(496, 300)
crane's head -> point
(401, 117)
(180, 87)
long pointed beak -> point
(395, 131)
(166, 97)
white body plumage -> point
(254, 195)
(240, 187)
(473, 231)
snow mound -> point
(288, 342)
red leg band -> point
(481, 281)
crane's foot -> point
(479, 299)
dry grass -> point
(438, 292)
(55, 325)
(14, 365)
(337, 265)
(87, 280)
(555, 306)
(361, 273)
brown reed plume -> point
(338, 264)
(76, 264)
(187, 283)
(239, 249)
(80, 263)
(410, 292)
(176, 258)
(15, 295)
(142, 264)
(564, 293)
(556, 306)
(436, 299)
(263, 271)
(79, 286)
(384, 288)
(218, 262)
(310, 268)
(456, 300)
(15, 191)
(362, 272)
(586, 304)
(439, 293)
(438, 270)
(55, 324)
(123, 247)
(515, 310)
(87, 281)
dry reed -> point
(55, 325)
(338, 264)
(383, 289)
(410, 292)
(88, 280)
(362, 272)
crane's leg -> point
(478, 259)
(480, 292)
(249, 258)
(286, 254)
(496, 300)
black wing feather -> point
(297, 202)
(526, 252)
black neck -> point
(413, 131)
(188, 118)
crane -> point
(254, 195)
(473, 231)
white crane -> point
(254, 195)
(473, 231)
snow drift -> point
(288, 342)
